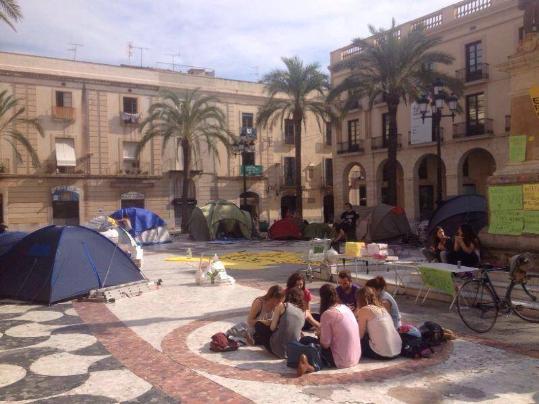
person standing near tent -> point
(348, 221)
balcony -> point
(381, 142)
(347, 147)
(479, 73)
(130, 167)
(470, 129)
(4, 166)
(63, 113)
(130, 119)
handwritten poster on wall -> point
(506, 198)
(509, 222)
(530, 195)
(517, 148)
(531, 222)
(534, 95)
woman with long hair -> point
(286, 324)
(338, 337)
(379, 338)
(438, 248)
(388, 301)
(465, 247)
(262, 311)
(297, 279)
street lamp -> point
(244, 145)
(437, 100)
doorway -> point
(288, 205)
(329, 211)
(65, 208)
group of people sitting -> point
(463, 249)
(353, 322)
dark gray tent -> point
(218, 218)
(382, 223)
(470, 209)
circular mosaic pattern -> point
(63, 364)
(10, 374)
(39, 316)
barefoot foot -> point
(304, 366)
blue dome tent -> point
(58, 263)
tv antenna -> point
(173, 56)
(74, 48)
(130, 48)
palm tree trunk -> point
(297, 146)
(186, 150)
(391, 165)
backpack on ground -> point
(413, 345)
(432, 333)
(220, 343)
(294, 350)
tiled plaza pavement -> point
(154, 348)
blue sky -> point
(240, 39)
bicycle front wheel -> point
(477, 306)
(524, 298)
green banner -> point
(531, 222)
(251, 170)
(507, 197)
(436, 279)
(509, 223)
(517, 148)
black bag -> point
(432, 333)
(414, 347)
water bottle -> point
(189, 253)
(458, 264)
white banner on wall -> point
(421, 132)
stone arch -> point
(473, 169)
(355, 184)
(425, 176)
(381, 183)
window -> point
(63, 99)
(129, 157)
(422, 171)
(475, 114)
(328, 171)
(362, 195)
(248, 158)
(65, 152)
(288, 131)
(247, 120)
(521, 34)
(474, 61)
(385, 129)
(353, 132)
(289, 171)
(328, 134)
(130, 105)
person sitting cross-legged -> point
(379, 338)
(346, 290)
(338, 341)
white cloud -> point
(231, 36)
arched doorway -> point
(178, 202)
(382, 180)
(426, 188)
(132, 200)
(356, 185)
(475, 167)
(65, 205)
(288, 205)
(329, 209)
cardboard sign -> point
(531, 222)
(517, 148)
(534, 95)
(441, 280)
(509, 223)
(505, 197)
(530, 196)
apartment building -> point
(91, 113)
(480, 35)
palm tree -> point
(10, 10)
(303, 88)
(10, 118)
(394, 69)
(191, 120)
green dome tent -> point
(317, 230)
(219, 218)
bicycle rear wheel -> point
(524, 298)
(477, 306)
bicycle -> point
(479, 304)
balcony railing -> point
(63, 113)
(348, 147)
(129, 118)
(133, 168)
(381, 142)
(475, 128)
(479, 73)
(5, 168)
(429, 141)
